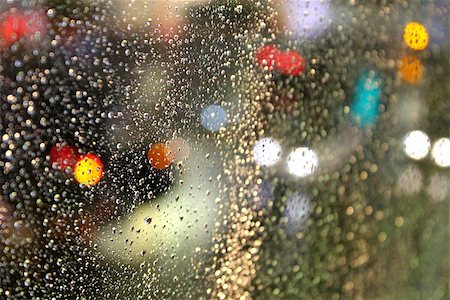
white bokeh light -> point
(441, 152)
(438, 188)
(298, 209)
(302, 162)
(410, 180)
(267, 152)
(307, 18)
(416, 144)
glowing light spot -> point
(88, 170)
(160, 156)
(266, 56)
(290, 63)
(415, 36)
(441, 152)
(16, 25)
(63, 157)
(11, 28)
(180, 148)
(286, 62)
(267, 152)
(213, 117)
(367, 99)
(302, 162)
(438, 187)
(297, 211)
(307, 18)
(410, 180)
(411, 69)
(416, 144)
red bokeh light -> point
(290, 63)
(11, 28)
(15, 25)
(64, 156)
(267, 55)
(286, 62)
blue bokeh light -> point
(213, 117)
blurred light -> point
(160, 156)
(266, 56)
(297, 211)
(411, 69)
(415, 36)
(302, 162)
(410, 180)
(307, 18)
(267, 152)
(15, 25)
(180, 148)
(88, 169)
(11, 27)
(441, 152)
(438, 187)
(213, 117)
(367, 99)
(63, 156)
(416, 144)
(287, 62)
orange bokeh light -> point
(411, 69)
(160, 156)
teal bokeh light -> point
(366, 99)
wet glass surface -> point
(224, 149)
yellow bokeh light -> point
(411, 69)
(415, 36)
(88, 170)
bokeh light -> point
(88, 170)
(287, 62)
(416, 144)
(410, 180)
(411, 69)
(11, 27)
(180, 148)
(415, 36)
(267, 152)
(266, 56)
(213, 117)
(297, 211)
(302, 162)
(307, 18)
(14, 25)
(367, 99)
(160, 156)
(438, 188)
(441, 152)
(63, 156)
